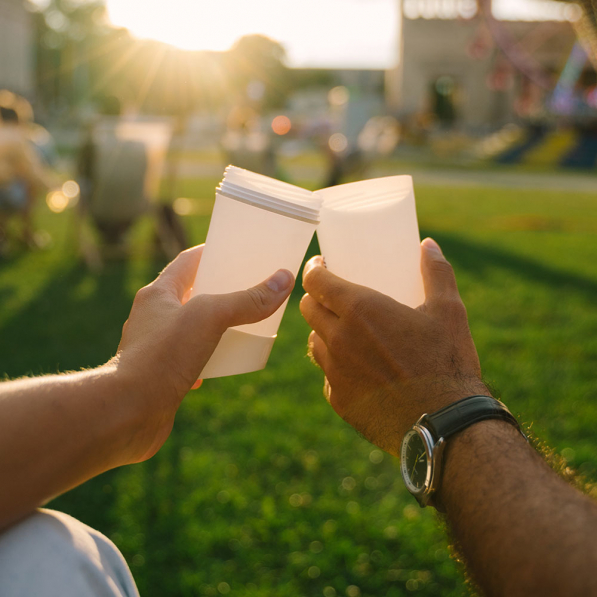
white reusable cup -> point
(369, 235)
(258, 226)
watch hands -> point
(412, 473)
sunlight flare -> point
(194, 24)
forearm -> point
(57, 432)
(521, 528)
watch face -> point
(414, 461)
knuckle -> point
(312, 338)
(336, 342)
(259, 298)
(357, 307)
(145, 294)
(337, 402)
(441, 266)
(312, 278)
(305, 303)
(201, 302)
(455, 309)
(215, 314)
(314, 356)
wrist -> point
(121, 415)
(429, 396)
(470, 450)
(424, 447)
(147, 410)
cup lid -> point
(259, 182)
(302, 207)
(270, 194)
(366, 194)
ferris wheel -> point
(535, 48)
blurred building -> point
(472, 72)
(16, 48)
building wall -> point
(432, 48)
(435, 48)
(16, 48)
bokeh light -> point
(281, 125)
(57, 201)
(338, 142)
(338, 96)
(71, 190)
(183, 206)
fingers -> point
(339, 296)
(318, 352)
(251, 305)
(317, 316)
(438, 275)
(327, 390)
(179, 275)
(326, 288)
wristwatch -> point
(423, 446)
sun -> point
(194, 24)
(314, 33)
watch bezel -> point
(434, 451)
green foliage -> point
(259, 59)
(82, 59)
(262, 490)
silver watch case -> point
(435, 450)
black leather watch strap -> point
(456, 417)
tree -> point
(258, 62)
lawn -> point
(262, 490)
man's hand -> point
(58, 431)
(522, 530)
(385, 363)
(168, 339)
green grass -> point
(262, 490)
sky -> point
(315, 33)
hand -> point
(385, 363)
(168, 339)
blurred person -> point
(409, 380)
(58, 431)
(170, 233)
(113, 178)
(248, 143)
(109, 106)
(111, 220)
(39, 136)
(22, 173)
(117, 171)
(342, 164)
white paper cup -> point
(250, 237)
(369, 235)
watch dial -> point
(415, 461)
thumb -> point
(253, 304)
(438, 275)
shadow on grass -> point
(480, 258)
(74, 321)
(165, 521)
